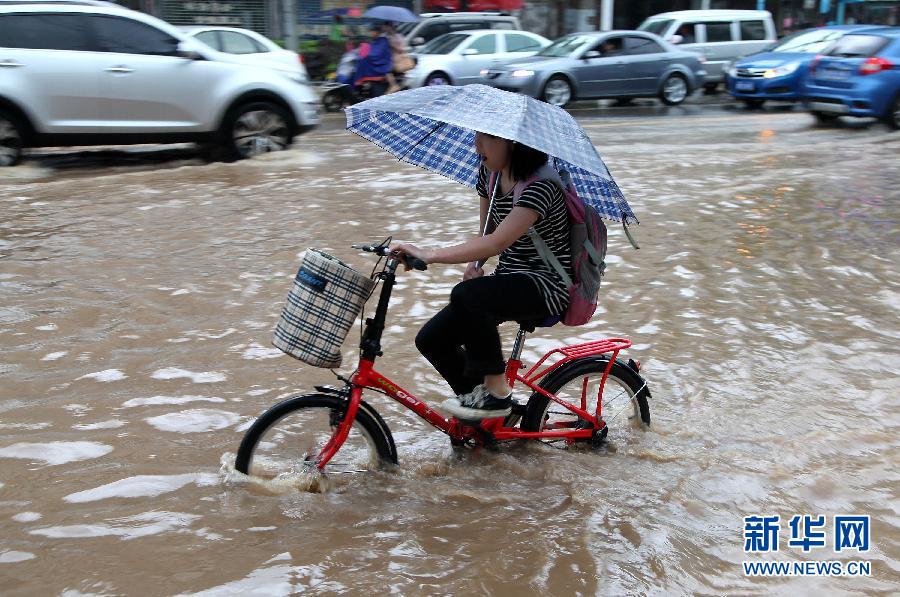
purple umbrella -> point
(397, 14)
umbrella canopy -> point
(391, 13)
(434, 127)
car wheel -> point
(674, 90)
(256, 128)
(754, 104)
(892, 116)
(825, 117)
(438, 78)
(557, 91)
(11, 141)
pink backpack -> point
(587, 239)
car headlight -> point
(784, 69)
(523, 73)
(730, 69)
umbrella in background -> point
(397, 14)
(434, 128)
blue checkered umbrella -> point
(434, 127)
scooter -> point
(341, 91)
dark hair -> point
(525, 161)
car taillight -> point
(300, 58)
(875, 65)
(814, 64)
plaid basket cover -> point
(326, 298)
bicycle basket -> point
(326, 298)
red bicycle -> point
(576, 393)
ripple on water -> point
(54, 453)
(175, 373)
(105, 375)
(10, 557)
(197, 420)
(141, 486)
(131, 527)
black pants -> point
(462, 341)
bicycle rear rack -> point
(578, 351)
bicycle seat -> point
(529, 325)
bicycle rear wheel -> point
(289, 437)
(624, 400)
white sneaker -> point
(478, 404)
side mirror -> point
(417, 41)
(184, 50)
(470, 52)
(676, 39)
(591, 54)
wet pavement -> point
(140, 288)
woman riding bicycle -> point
(462, 341)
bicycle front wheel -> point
(288, 439)
(623, 401)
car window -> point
(433, 30)
(516, 42)
(486, 44)
(44, 32)
(753, 30)
(443, 44)
(811, 42)
(210, 38)
(642, 45)
(238, 43)
(857, 45)
(657, 26)
(503, 25)
(565, 46)
(467, 25)
(717, 31)
(125, 36)
(611, 46)
(688, 33)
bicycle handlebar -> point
(384, 250)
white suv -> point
(93, 75)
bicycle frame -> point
(366, 376)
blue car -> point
(776, 73)
(857, 76)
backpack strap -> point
(545, 172)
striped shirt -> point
(545, 198)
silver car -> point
(612, 64)
(458, 58)
(249, 47)
(91, 75)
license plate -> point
(834, 74)
(744, 86)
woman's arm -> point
(513, 226)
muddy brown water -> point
(137, 309)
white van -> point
(722, 36)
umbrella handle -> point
(487, 218)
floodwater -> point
(137, 309)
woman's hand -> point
(472, 271)
(405, 249)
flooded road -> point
(136, 311)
